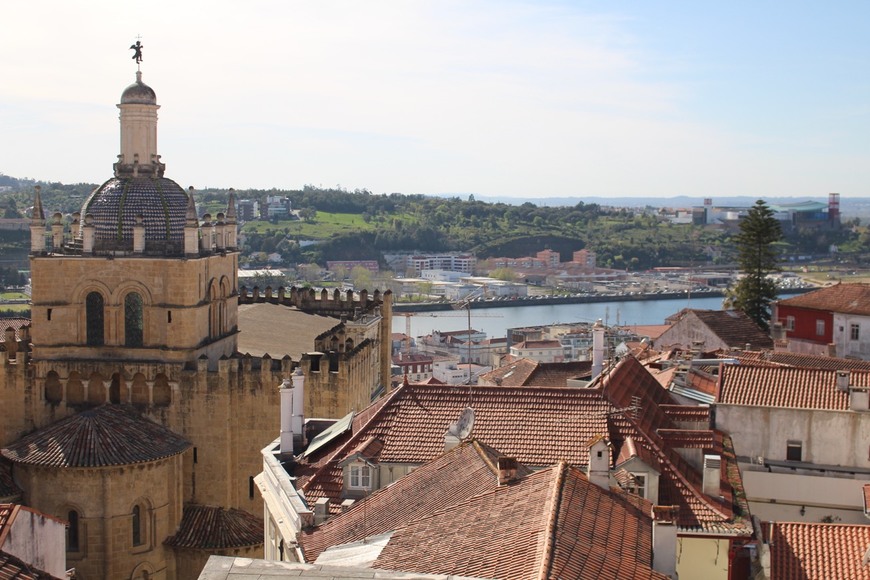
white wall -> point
(39, 541)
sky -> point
(496, 98)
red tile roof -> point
(806, 550)
(732, 327)
(216, 528)
(524, 372)
(539, 426)
(105, 436)
(842, 298)
(462, 472)
(787, 387)
(687, 413)
(13, 568)
(551, 524)
(812, 361)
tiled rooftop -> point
(227, 568)
(526, 371)
(462, 472)
(216, 528)
(106, 436)
(812, 361)
(734, 328)
(794, 388)
(549, 524)
(843, 298)
(539, 426)
(13, 568)
(808, 550)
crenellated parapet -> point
(347, 305)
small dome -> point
(116, 205)
(138, 93)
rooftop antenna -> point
(463, 426)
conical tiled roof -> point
(110, 435)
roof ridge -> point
(550, 532)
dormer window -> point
(360, 477)
(638, 484)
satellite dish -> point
(462, 428)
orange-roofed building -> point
(802, 438)
(690, 467)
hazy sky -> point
(508, 98)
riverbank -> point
(505, 302)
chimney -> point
(597, 348)
(507, 470)
(665, 540)
(598, 470)
(843, 381)
(298, 416)
(347, 504)
(712, 475)
(321, 510)
(286, 390)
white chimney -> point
(286, 390)
(321, 510)
(597, 348)
(598, 470)
(665, 540)
(298, 421)
(859, 399)
(712, 475)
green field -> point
(13, 296)
(325, 225)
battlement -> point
(347, 305)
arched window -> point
(72, 531)
(137, 525)
(133, 324)
(53, 388)
(94, 314)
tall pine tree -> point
(757, 256)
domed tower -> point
(135, 275)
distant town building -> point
(833, 320)
(453, 262)
(370, 265)
(278, 207)
(249, 210)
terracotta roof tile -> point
(787, 387)
(551, 524)
(832, 363)
(842, 298)
(462, 472)
(513, 373)
(539, 426)
(216, 528)
(687, 413)
(105, 436)
(13, 568)
(807, 550)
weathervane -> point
(137, 55)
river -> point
(495, 321)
